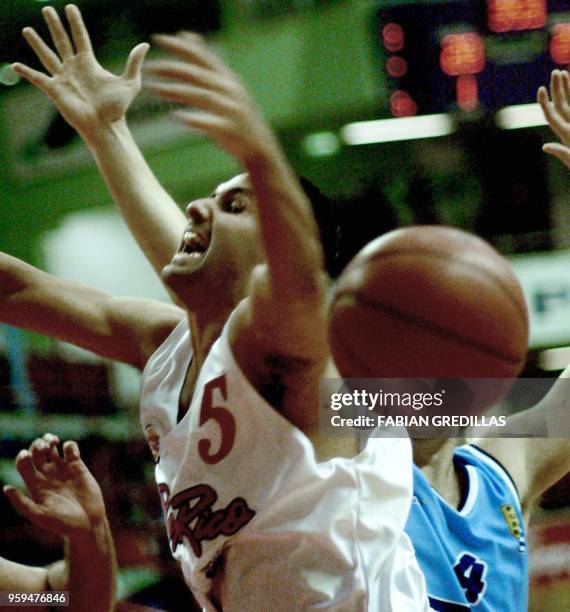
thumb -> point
(22, 504)
(559, 151)
(135, 60)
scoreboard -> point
(469, 55)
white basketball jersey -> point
(250, 513)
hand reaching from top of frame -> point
(221, 106)
(557, 113)
(87, 95)
(64, 497)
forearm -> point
(153, 217)
(289, 231)
(92, 570)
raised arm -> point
(538, 463)
(535, 463)
(94, 102)
(286, 318)
(65, 498)
(125, 329)
(556, 109)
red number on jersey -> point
(223, 417)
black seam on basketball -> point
(437, 329)
(448, 256)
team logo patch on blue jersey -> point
(513, 523)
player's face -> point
(219, 247)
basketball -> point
(429, 302)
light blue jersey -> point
(474, 557)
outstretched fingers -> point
(191, 48)
(59, 36)
(50, 61)
(214, 126)
(189, 95)
(79, 33)
(184, 72)
(553, 117)
(558, 94)
(39, 79)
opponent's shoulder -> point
(506, 458)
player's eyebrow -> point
(233, 191)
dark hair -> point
(347, 225)
(324, 211)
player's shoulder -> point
(504, 457)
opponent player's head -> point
(222, 244)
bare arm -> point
(556, 110)
(537, 463)
(18, 577)
(285, 320)
(94, 102)
(65, 498)
(125, 329)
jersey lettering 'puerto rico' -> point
(194, 505)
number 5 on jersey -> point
(223, 417)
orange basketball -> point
(429, 302)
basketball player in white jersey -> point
(230, 383)
(65, 499)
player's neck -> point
(434, 456)
(203, 334)
(205, 330)
(428, 451)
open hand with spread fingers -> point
(64, 497)
(220, 105)
(557, 112)
(87, 95)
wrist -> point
(266, 156)
(101, 134)
(89, 536)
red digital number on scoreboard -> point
(393, 37)
(560, 43)
(462, 54)
(514, 15)
(402, 104)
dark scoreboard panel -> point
(473, 55)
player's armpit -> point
(283, 357)
(535, 464)
(139, 326)
(547, 456)
(548, 460)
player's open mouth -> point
(194, 244)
